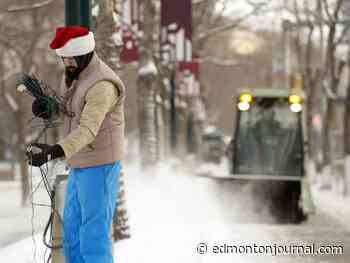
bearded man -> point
(91, 142)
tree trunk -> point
(327, 142)
(121, 229)
(165, 113)
(314, 97)
(147, 88)
(347, 125)
(21, 144)
(346, 142)
(347, 113)
(106, 33)
(346, 132)
(147, 120)
(326, 134)
(107, 30)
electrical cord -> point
(52, 105)
(49, 225)
(33, 214)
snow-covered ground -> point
(15, 220)
(171, 211)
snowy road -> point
(171, 212)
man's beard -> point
(71, 74)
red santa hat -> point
(73, 41)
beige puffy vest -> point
(108, 144)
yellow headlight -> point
(294, 99)
(246, 97)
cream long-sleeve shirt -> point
(100, 99)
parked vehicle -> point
(212, 148)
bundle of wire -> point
(49, 227)
(52, 105)
(35, 88)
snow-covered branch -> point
(326, 8)
(233, 24)
(21, 8)
(343, 34)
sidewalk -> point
(333, 204)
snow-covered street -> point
(172, 211)
(227, 122)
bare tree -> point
(152, 84)
(23, 40)
(209, 20)
(321, 31)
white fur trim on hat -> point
(77, 46)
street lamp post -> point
(173, 113)
(78, 12)
(85, 16)
(72, 12)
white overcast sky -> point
(237, 8)
(272, 19)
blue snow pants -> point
(89, 205)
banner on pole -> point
(131, 18)
(176, 30)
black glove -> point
(38, 159)
(40, 108)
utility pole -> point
(72, 12)
(85, 16)
(78, 12)
(173, 114)
(176, 47)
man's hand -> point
(40, 108)
(47, 153)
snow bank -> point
(25, 251)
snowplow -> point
(269, 146)
(268, 149)
(269, 135)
